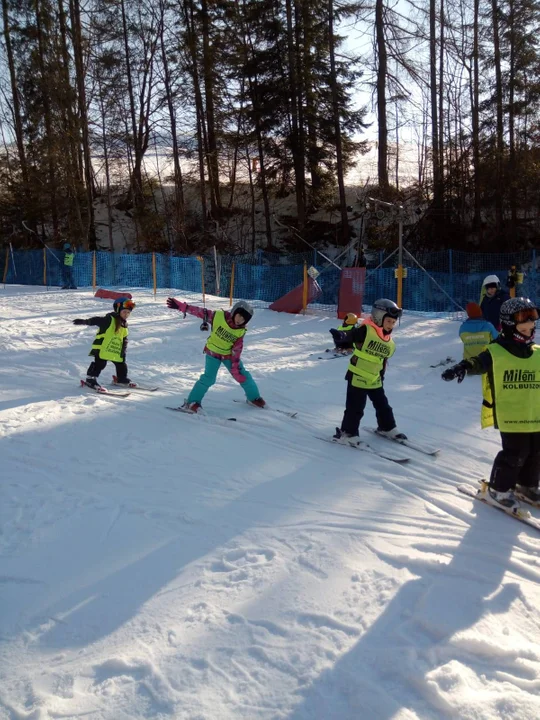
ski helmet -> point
(492, 280)
(350, 319)
(384, 308)
(518, 310)
(123, 303)
(244, 309)
(67, 246)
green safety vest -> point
(223, 337)
(367, 361)
(68, 259)
(110, 343)
(512, 392)
(474, 343)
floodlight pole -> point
(400, 274)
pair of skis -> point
(521, 514)
(101, 390)
(187, 411)
(387, 454)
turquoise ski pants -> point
(208, 378)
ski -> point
(328, 355)
(365, 447)
(522, 515)
(134, 386)
(100, 390)
(425, 449)
(520, 496)
(448, 361)
(186, 411)
(272, 409)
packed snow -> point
(159, 565)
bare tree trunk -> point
(107, 169)
(499, 114)
(382, 71)
(475, 113)
(212, 149)
(511, 117)
(337, 126)
(442, 84)
(435, 154)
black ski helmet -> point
(510, 310)
(244, 309)
(382, 308)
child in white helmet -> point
(350, 321)
(492, 298)
(373, 346)
(224, 345)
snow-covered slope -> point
(158, 565)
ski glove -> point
(176, 305)
(457, 371)
(78, 321)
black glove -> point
(457, 371)
(78, 321)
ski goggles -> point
(394, 313)
(125, 305)
(522, 316)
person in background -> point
(67, 268)
(493, 297)
(514, 281)
(475, 333)
(350, 321)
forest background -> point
(243, 124)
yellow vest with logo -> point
(223, 337)
(110, 343)
(474, 343)
(68, 259)
(512, 392)
(367, 361)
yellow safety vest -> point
(346, 328)
(512, 392)
(110, 342)
(367, 361)
(223, 337)
(68, 259)
(474, 343)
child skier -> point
(492, 297)
(350, 321)
(511, 372)
(110, 342)
(67, 268)
(475, 333)
(373, 346)
(224, 345)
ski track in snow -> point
(159, 565)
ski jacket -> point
(368, 361)
(510, 385)
(491, 307)
(108, 341)
(476, 334)
(233, 351)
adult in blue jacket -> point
(475, 333)
(493, 297)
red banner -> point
(351, 291)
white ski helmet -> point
(492, 280)
(383, 307)
(244, 308)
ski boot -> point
(193, 407)
(258, 402)
(393, 434)
(345, 438)
(505, 500)
(529, 494)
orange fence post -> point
(154, 272)
(305, 293)
(231, 293)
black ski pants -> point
(97, 365)
(355, 406)
(518, 463)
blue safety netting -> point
(445, 280)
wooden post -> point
(231, 293)
(94, 273)
(6, 265)
(154, 275)
(201, 260)
(45, 266)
